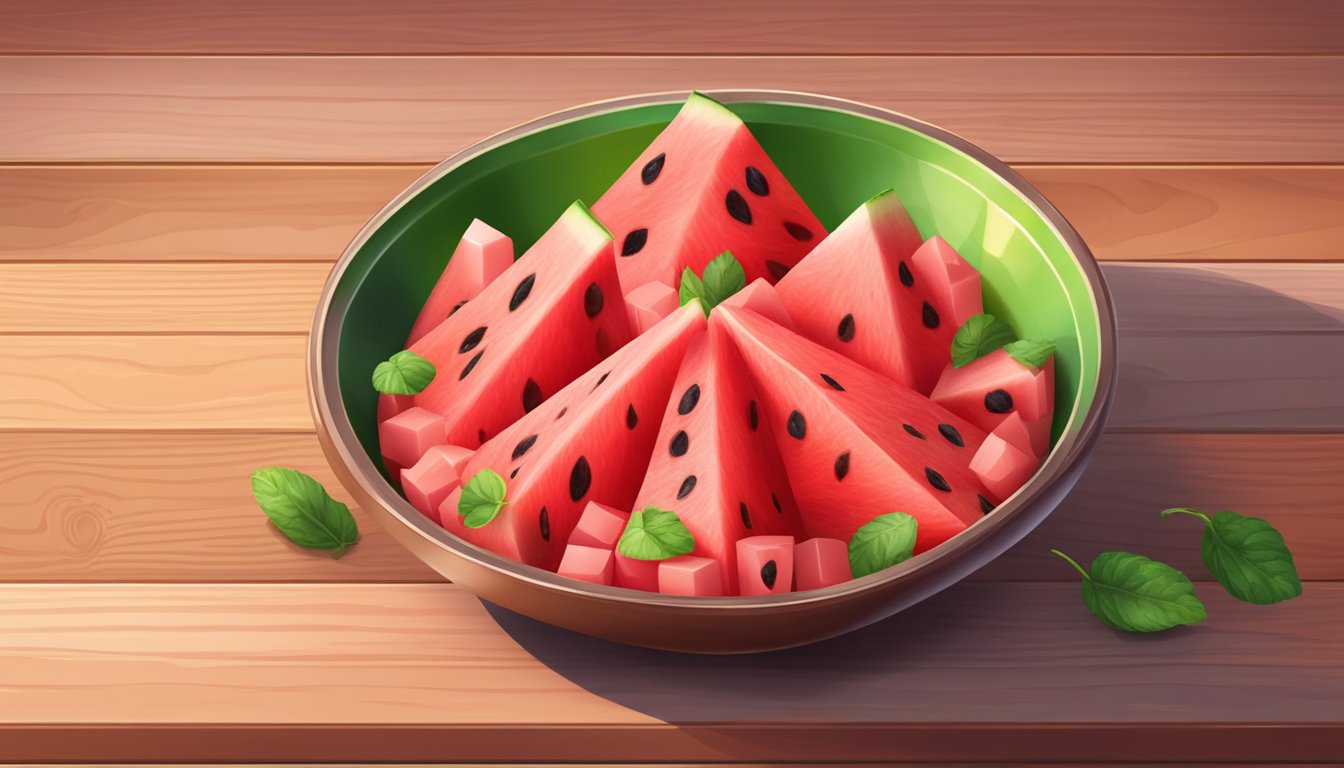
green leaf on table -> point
(1029, 352)
(481, 499)
(1132, 593)
(881, 543)
(978, 337)
(405, 373)
(655, 534)
(303, 511)
(1247, 556)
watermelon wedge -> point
(855, 444)
(555, 313)
(715, 463)
(857, 294)
(705, 186)
(589, 442)
(481, 255)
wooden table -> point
(176, 179)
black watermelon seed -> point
(544, 522)
(756, 182)
(470, 364)
(580, 479)
(832, 383)
(688, 399)
(998, 401)
(912, 431)
(523, 446)
(634, 242)
(845, 331)
(776, 269)
(746, 516)
(769, 572)
(798, 231)
(457, 306)
(601, 379)
(937, 481)
(687, 486)
(653, 168)
(593, 300)
(775, 500)
(520, 293)
(472, 339)
(531, 396)
(842, 465)
(514, 473)
(680, 443)
(953, 436)
(985, 505)
(737, 207)
(631, 418)
(930, 316)
(752, 417)
(907, 277)
(797, 425)
(562, 413)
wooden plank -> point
(1100, 109)
(176, 506)
(432, 674)
(231, 213)
(642, 26)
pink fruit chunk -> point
(821, 563)
(590, 564)
(404, 438)
(481, 255)
(599, 526)
(433, 478)
(391, 405)
(762, 298)
(986, 390)
(1031, 436)
(650, 303)
(765, 565)
(1002, 466)
(635, 574)
(953, 284)
(690, 575)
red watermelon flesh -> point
(953, 284)
(986, 390)
(554, 314)
(714, 462)
(857, 294)
(705, 186)
(589, 442)
(481, 255)
(856, 444)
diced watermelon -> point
(690, 575)
(636, 574)
(591, 564)
(714, 463)
(762, 298)
(705, 186)
(555, 313)
(855, 444)
(482, 254)
(650, 303)
(953, 284)
(820, 563)
(589, 442)
(986, 390)
(857, 294)
(599, 526)
(765, 565)
(1003, 466)
(432, 478)
(404, 438)
(1033, 436)
(391, 405)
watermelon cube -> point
(1031, 436)
(391, 405)
(433, 478)
(635, 574)
(986, 390)
(1002, 466)
(590, 564)
(404, 438)
(765, 565)
(649, 303)
(599, 526)
(690, 575)
(821, 563)
(481, 255)
(953, 284)
(762, 298)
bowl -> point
(1037, 274)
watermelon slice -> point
(589, 442)
(555, 313)
(858, 295)
(705, 186)
(715, 463)
(987, 390)
(481, 255)
(855, 444)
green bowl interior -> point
(836, 160)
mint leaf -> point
(655, 534)
(978, 337)
(692, 288)
(1247, 556)
(302, 510)
(405, 373)
(482, 498)
(723, 277)
(1132, 593)
(1033, 353)
(881, 543)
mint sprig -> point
(405, 373)
(1031, 352)
(1132, 593)
(1247, 556)
(722, 277)
(482, 498)
(881, 543)
(303, 511)
(655, 534)
(979, 336)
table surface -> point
(177, 178)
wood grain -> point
(643, 26)
(164, 507)
(1145, 109)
